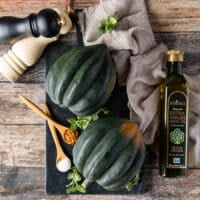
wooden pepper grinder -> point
(26, 52)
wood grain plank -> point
(22, 8)
(28, 183)
(22, 146)
(21, 183)
(81, 4)
(165, 15)
(189, 43)
(174, 16)
(171, 187)
(13, 110)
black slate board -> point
(117, 105)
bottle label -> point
(176, 130)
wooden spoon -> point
(63, 163)
(67, 134)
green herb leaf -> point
(71, 120)
(81, 189)
(108, 24)
(83, 121)
(77, 177)
(75, 182)
(71, 189)
(70, 176)
(130, 184)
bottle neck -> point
(175, 68)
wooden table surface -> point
(22, 132)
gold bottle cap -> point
(175, 56)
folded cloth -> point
(139, 62)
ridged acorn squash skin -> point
(82, 79)
(109, 151)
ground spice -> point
(70, 136)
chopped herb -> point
(75, 178)
(108, 24)
(130, 184)
(83, 121)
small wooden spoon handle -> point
(62, 129)
(40, 112)
(60, 153)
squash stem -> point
(85, 183)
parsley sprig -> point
(108, 24)
(75, 179)
(130, 184)
(83, 121)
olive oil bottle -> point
(174, 126)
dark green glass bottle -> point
(174, 126)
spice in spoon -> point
(63, 165)
(70, 136)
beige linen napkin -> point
(139, 61)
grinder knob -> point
(46, 23)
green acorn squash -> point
(109, 151)
(82, 79)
